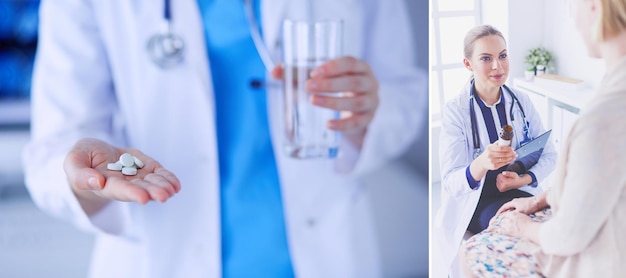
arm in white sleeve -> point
(72, 98)
(403, 92)
(453, 151)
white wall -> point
(562, 38)
(521, 22)
(532, 23)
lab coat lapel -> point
(272, 14)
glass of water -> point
(307, 45)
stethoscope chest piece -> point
(166, 50)
(477, 153)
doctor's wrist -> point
(477, 171)
(355, 137)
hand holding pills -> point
(128, 164)
(94, 167)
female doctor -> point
(474, 181)
(217, 197)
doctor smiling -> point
(474, 181)
(217, 196)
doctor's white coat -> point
(93, 78)
(458, 200)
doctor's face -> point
(489, 62)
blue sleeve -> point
(474, 184)
(534, 182)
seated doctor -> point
(217, 196)
(474, 181)
(583, 236)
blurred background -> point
(33, 244)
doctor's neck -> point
(488, 94)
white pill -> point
(127, 160)
(114, 166)
(138, 162)
(129, 171)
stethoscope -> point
(166, 49)
(475, 135)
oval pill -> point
(116, 166)
(138, 162)
(129, 171)
(127, 160)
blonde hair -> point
(612, 19)
(477, 33)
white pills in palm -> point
(129, 171)
(127, 163)
(127, 160)
(116, 166)
(138, 162)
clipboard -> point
(534, 145)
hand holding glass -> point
(307, 45)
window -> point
(18, 41)
(450, 20)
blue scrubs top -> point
(254, 241)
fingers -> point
(278, 72)
(499, 158)
(154, 186)
(78, 169)
(344, 83)
(117, 188)
(497, 148)
(85, 167)
(341, 66)
(159, 193)
(83, 178)
(353, 122)
(357, 103)
(504, 183)
(506, 207)
(170, 177)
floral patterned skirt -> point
(489, 254)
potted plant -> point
(539, 59)
(529, 73)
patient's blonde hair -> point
(477, 33)
(612, 19)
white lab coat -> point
(93, 78)
(458, 200)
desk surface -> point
(574, 98)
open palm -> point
(86, 169)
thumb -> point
(277, 72)
(77, 166)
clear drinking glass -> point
(307, 45)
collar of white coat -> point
(506, 93)
(273, 12)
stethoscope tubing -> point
(473, 120)
(166, 59)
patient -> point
(583, 232)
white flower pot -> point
(529, 75)
(541, 69)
